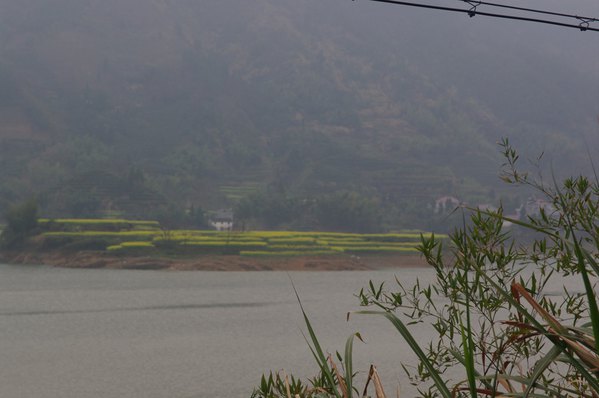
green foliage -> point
(270, 209)
(499, 328)
(236, 192)
(172, 216)
(21, 221)
(339, 211)
(499, 325)
(130, 235)
(82, 224)
(278, 386)
(348, 211)
(83, 203)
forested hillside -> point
(149, 107)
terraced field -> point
(146, 237)
(234, 193)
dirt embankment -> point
(89, 259)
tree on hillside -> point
(348, 211)
(21, 220)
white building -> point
(222, 220)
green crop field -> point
(134, 237)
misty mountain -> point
(124, 104)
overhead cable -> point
(558, 14)
(584, 23)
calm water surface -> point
(149, 334)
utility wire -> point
(584, 25)
(558, 14)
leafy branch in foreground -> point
(501, 329)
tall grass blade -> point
(405, 333)
(348, 362)
(469, 359)
(316, 349)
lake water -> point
(153, 334)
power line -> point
(583, 25)
(558, 14)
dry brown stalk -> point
(342, 384)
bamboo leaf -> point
(541, 366)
